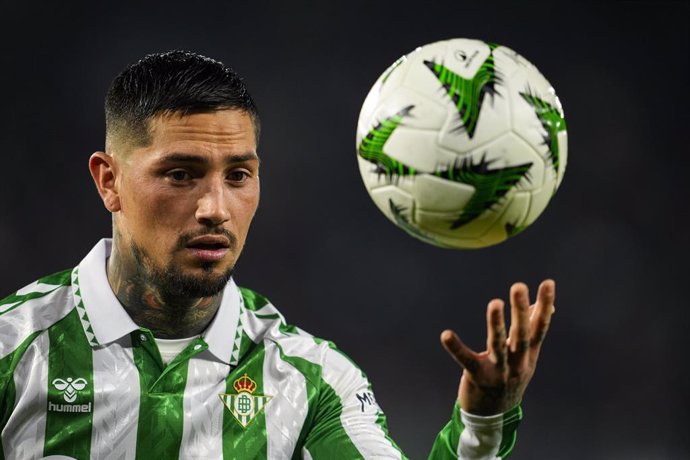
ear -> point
(103, 168)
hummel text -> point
(69, 407)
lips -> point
(209, 248)
(209, 242)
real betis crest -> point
(244, 405)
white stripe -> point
(108, 320)
(260, 329)
(306, 455)
(202, 430)
(358, 419)
(220, 334)
(24, 433)
(288, 407)
(34, 315)
(481, 438)
(7, 306)
(270, 309)
(36, 287)
(115, 402)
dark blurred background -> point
(613, 377)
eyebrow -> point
(198, 159)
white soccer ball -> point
(462, 143)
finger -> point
(519, 318)
(460, 352)
(496, 332)
(543, 310)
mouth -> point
(209, 248)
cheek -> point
(154, 215)
(247, 204)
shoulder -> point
(264, 323)
(34, 308)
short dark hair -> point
(179, 82)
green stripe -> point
(246, 442)
(324, 403)
(312, 375)
(7, 390)
(383, 424)
(161, 407)
(381, 417)
(58, 280)
(327, 438)
(269, 316)
(322, 433)
(70, 361)
(511, 420)
(246, 345)
(446, 444)
(252, 300)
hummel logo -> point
(70, 387)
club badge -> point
(244, 405)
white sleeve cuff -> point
(481, 438)
(481, 421)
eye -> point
(238, 176)
(178, 175)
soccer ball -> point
(462, 143)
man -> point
(149, 349)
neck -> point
(166, 316)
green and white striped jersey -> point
(79, 379)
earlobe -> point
(103, 168)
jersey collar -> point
(105, 320)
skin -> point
(213, 187)
(494, 380)
(199, 175)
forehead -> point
(219, 129)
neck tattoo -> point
(166, 315)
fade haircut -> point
(174, 82)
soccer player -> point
(148, 348)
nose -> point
(211, 208)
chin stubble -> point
(172, 283)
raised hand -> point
(493, 381)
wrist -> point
(486, 418)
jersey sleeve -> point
(4, 401)
(473, 437)
(348, 423)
